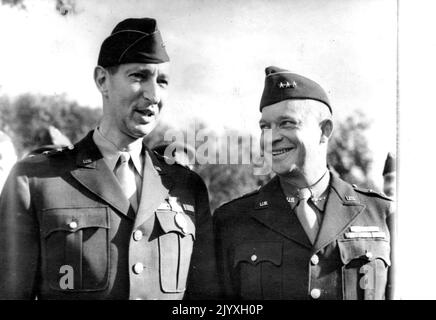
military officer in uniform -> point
(107, 218)
(306, 234)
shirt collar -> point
(320, 192)
(111, 153)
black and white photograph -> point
(208, 150)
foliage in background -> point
(349, 153)
(27, 117)
(23, 118)
(64, 7)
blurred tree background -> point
(64, 7)
(24, 117)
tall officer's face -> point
(136, 92)
(294, 142)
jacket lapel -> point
(156, 185)
(342, 207)
(273, 211)
(93, 173)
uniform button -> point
(315, 293)
(253, 257)
(368, 255)
(137, 235)
(314, 259)
(138, 268)
(73, 224)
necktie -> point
(307, 215)
(125, 173)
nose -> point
(151, 93)
(275, 136)
(270, 137)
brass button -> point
(137, 235)
(315, 293)
(138, 267)
(369, 255)
(314, 260)
(73, 224)
(253, 257)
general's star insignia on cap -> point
(286, 84)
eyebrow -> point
(280, 118)
(145, 70)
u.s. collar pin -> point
(263, 203)
(290, 199)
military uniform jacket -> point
(263, 251)
(64, 213)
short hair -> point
(318, 109)
(112, 69)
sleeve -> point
(202, 279)
(391, 221)
(19, 240)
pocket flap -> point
(256, 251)
(181, 224)
(73, 219)
(368, 249)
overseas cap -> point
(280, 84)
(133, 41)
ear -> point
(101, 78)
(326, 130)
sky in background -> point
(219, 50)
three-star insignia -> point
(286, 84)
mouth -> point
(281, 151)
(146, 112)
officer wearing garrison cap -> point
(107, 218)
(306, 234)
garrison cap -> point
(280, 84)
(390, 166)
(133, 41)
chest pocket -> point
(75, 248)
(257, 269)
(175, 249)
(365, 268)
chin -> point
(143, 130)
(282, 169)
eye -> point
(137, 76)
(264, 126)
(288, 123)
(163, 82)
